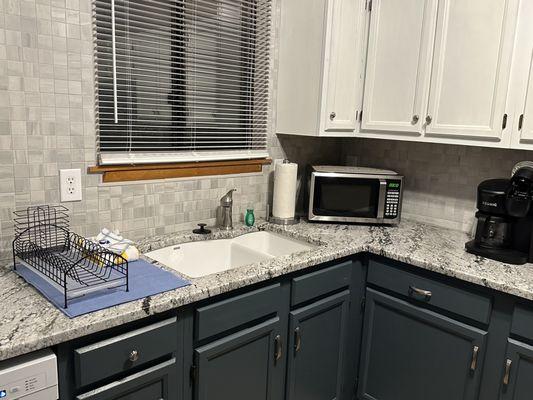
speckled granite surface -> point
(29, 322)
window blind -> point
(181, 80)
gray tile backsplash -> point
(440, 180)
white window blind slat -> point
(181, 80)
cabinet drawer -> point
(459, 301)
(121, 353)
(522, 322)
(319, 283)
(233, 312)
(156, 383)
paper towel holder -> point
(281, 221)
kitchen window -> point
(181, 80)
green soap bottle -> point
(249, 219)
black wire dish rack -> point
(72, 264)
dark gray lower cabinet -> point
(156, 383)
(245, 365)
(410, 353)
(316, 349)
(517, 380)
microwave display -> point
(346, 197)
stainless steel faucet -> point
(226, 207)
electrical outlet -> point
(70, 184)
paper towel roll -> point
(285, 182)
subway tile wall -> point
(47, 123)
(440, 180)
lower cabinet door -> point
(410, 353)
(156, 383)
(316, 348)
(517, 377)
(246, 365)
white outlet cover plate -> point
(70, 185)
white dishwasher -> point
(29, 377)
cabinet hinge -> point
(504, 122)
(363, 304)
(193, 374)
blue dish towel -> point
(145, 280)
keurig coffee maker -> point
(504, 229)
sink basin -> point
(197, 259)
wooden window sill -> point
(128, 173)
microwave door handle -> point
(382, 195)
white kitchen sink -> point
(197, 259)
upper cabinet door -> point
(526, 118)
(471, 67)
(399, 60)
(343, 64)
(522, 79)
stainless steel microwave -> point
(355, 194)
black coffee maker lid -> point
(492, 196)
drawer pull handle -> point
(134, 355)
(297, 340)
(475, 353)
(426, 294)
(278, 348)
(507, 374)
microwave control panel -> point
(392, 199)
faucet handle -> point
(227, 199)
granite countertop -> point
(28, 322)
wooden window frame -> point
(130, 173)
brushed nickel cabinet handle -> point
(507, 374)
(134, 355)
(520, 122)
(428, 120)
(278, 348)
(475, 354)
(333, 115)
(415, 119)
(297, 340)
(426, 294)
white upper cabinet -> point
(398, 65)
(471, 68)
(319, 67)
(441, 71)
(525, 121)
(343, 64)
(522, 80)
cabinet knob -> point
(428, 120)
(415, 119)
(333, 115)
(134, 355)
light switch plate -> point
(70, 185)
